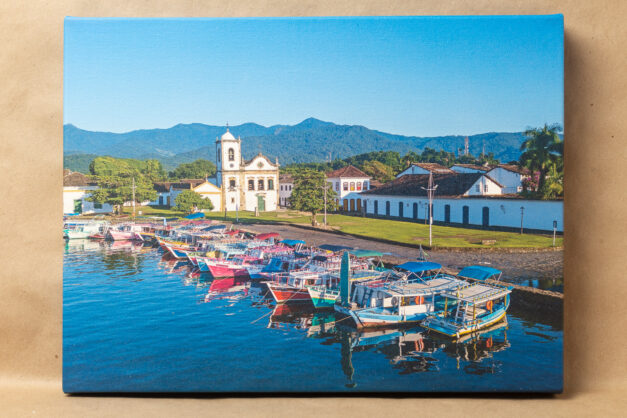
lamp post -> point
(430, 190)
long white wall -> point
(537, 214)
(72, 194)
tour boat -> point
(292, 286)
(380, 303)
(125, 232)
(83, 230)
(477, 306)
(325, 297)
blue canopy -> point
(292, 242)
(334, 248)
(196, 215)
(419, 266)
(479, 272)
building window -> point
(365, 185)
(290, 187)
(232, 184)
(260, 184)
(231, 154)
(478, 188)
(359, 186)
(281, 186)
(485, 188)
(376, 207)
(345, 186)
(337, 186)
(352, 186)
(270, 184)
(251, 184)
(160, 200)
(232, 200)
(97, 205)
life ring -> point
(419, 300)
(488, 343)
(394, 301)
(489, 305)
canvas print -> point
(313, 205)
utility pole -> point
(325, 188)
(430, 190)
(133, 188)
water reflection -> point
(406, 351)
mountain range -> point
(312, 140)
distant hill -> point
(312, 140)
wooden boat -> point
(125, 232)
(325, 297)
(292, 286)
(82, 230)
(380, 303)
(477, 306)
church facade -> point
(245, 185)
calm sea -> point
(134, 321)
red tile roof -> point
(433, 167)
(74, 179)
(348, 171)
(450, 184)
(513, 168)
(473, 167)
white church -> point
(245, 185)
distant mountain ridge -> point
(312, 140)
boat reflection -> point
(303, 317)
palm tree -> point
(542, 149)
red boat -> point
(227, 270)
(292, 287)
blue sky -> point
(406, 75)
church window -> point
(359, 186)
(232, 184)
(231, 154)
(345, 186)
(352, 186)
(260, 184)
(251, 184)
(270, 184)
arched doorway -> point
(352, 205)
(376, 207)
(387, 208)
(358, 205)
(345, 205)
(415, 211)
(447, 213)
(400, 209)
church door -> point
(261, 203)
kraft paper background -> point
(31, 97)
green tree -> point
(188, 200)
(378, 171)
(115, 179)
(198, 169)
(542, 149)
(308, 193)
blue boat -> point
(476, 306)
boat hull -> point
(222, 272)
(447, 328)
(378, 318)
(285, 294)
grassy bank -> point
(399, 231)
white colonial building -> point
(465, 199)
(347, 180)
(286, 184)
(245, 185)
(77, 188)
(510, 176)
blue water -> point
(134, 321)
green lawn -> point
(405, 232)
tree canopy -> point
(543, 155)
(115, 177)
(198, 169)
(308, 193)
(188, 200)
